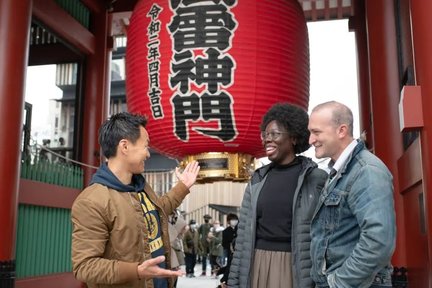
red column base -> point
(7, 274)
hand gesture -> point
(189, 174)
(150, 269)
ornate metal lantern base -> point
(217, 166)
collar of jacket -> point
(107, 178)
(359, 147)
(261, 172)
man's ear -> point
(343, 131)
(123, 146)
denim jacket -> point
(353, 228)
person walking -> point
(214, 238)
(229, 236)
(190, 244)
(176, 228)
(203, 231)
(353, 229)
(272, 247)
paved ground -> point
(198, 281)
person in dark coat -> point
(229, 235)
(273, 243)
(203, 231)
(190, 246)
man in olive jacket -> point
(190, 246)
(120, 229)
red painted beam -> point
(358, 25)
(95, 6)
(52, 54)
(124, 5)
(97, 93)
(43, 194)
(422, 43)
(384, 89)
(15, 19)
(64, 26)
(409, 169)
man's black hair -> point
(295, 121)
(231, 216)
(119, 126)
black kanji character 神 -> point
(214, 71)
(182, 67)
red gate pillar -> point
(385, 92)
(422, 45)
(96, 97)
(15, 18)
(358, 25)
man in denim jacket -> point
(353, 228)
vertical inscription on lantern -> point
(202, 32)
(153, 55)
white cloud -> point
(333, 66)
(333, 69)
(40, 90)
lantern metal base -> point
(218, 166)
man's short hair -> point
(120, 126)
(341, 114)
(232, 216)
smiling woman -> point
(264, 216)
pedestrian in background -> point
(214, 238)
(229, 235)
(176, 229)
(203, 231)
(190, 246)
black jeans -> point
(204, 262)
(190, 261)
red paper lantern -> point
(205, 72)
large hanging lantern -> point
(205, 72)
